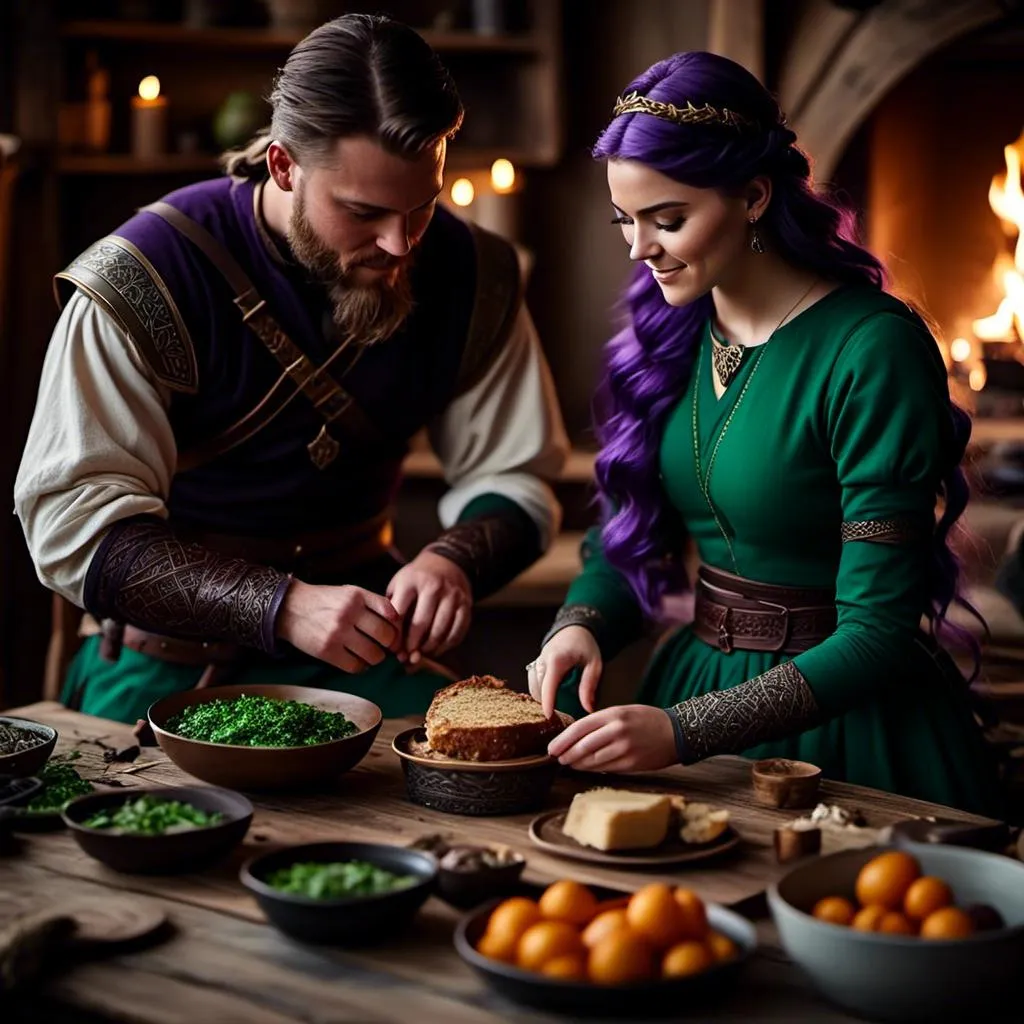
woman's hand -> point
(628, 738)
(568, 648)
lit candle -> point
(149, 120)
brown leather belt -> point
(733, 613)
(181, 652)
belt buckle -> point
(784, 615)
(724, 636)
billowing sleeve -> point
(886, 422)
(501, 444)
(100, 448)
(601, 600)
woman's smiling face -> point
(690, 238)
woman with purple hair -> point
(769, 400)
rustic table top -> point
(223, 961)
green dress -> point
(843, 416)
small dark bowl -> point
(474, 788)
(662, 997)
(177, 853)
(780, 782)
(28, 762)
(260, 769)
(469, 888)
(357, 920)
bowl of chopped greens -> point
(25, 746)
(266, 737)
(161, 830)
(341, 893)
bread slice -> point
(481, 719)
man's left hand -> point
(628, 738)
(438, 594)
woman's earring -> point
(756, 245)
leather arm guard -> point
(144, 575)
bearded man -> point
(233, 383)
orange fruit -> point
(620, 958)
(603, 925)
(834, 910)
(721, 946)
(947, 923)
(868, 919)
(619, 903)
(510, 918)
(570, 968)
(895, 923)
(885, 879)
(567, 901)
(926, 895)
(688, 957)
(655, 916)
(547, 940)
(694, 913)
(498, 947)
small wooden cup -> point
(779, 782)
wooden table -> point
(224, 963)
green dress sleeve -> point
(886, 419)
(601, 599)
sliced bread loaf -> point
(481, 719)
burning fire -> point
(1007, 201)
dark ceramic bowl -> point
(267, 768)
(669, 997)
(28, 762)
(469, 887)
(176, 853)
(477, 788)
(357, 920)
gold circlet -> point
(634, 103)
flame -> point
(1006, 198)
(149, 87)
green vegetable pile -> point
(250, 721)
(152, 816)
(338, 880)
(61, 784)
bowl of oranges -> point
(659, 948)
(925, 932)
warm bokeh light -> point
(462, 192)
(960, 349)
(503, 175)
(978, 378)
(149, 87)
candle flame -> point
(1007, 201)
(149, 87)
(503, 175)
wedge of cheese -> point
(618, 819)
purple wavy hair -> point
(648, 362)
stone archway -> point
(840, 60)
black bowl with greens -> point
(265, 737)
(162, 830)
(341, 893)
(25, 746)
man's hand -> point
(347, 627)
(438, 594)
(628, 738)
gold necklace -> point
(726, 359)
(704, 478)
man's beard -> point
(366, 314)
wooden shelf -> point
(270, 39)
(125, 163)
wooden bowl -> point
(475, 788)
(779, 782)
(267, 768)
(174, 853)
(27, 762)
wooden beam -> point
(736, 31)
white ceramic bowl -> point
(904, 978)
